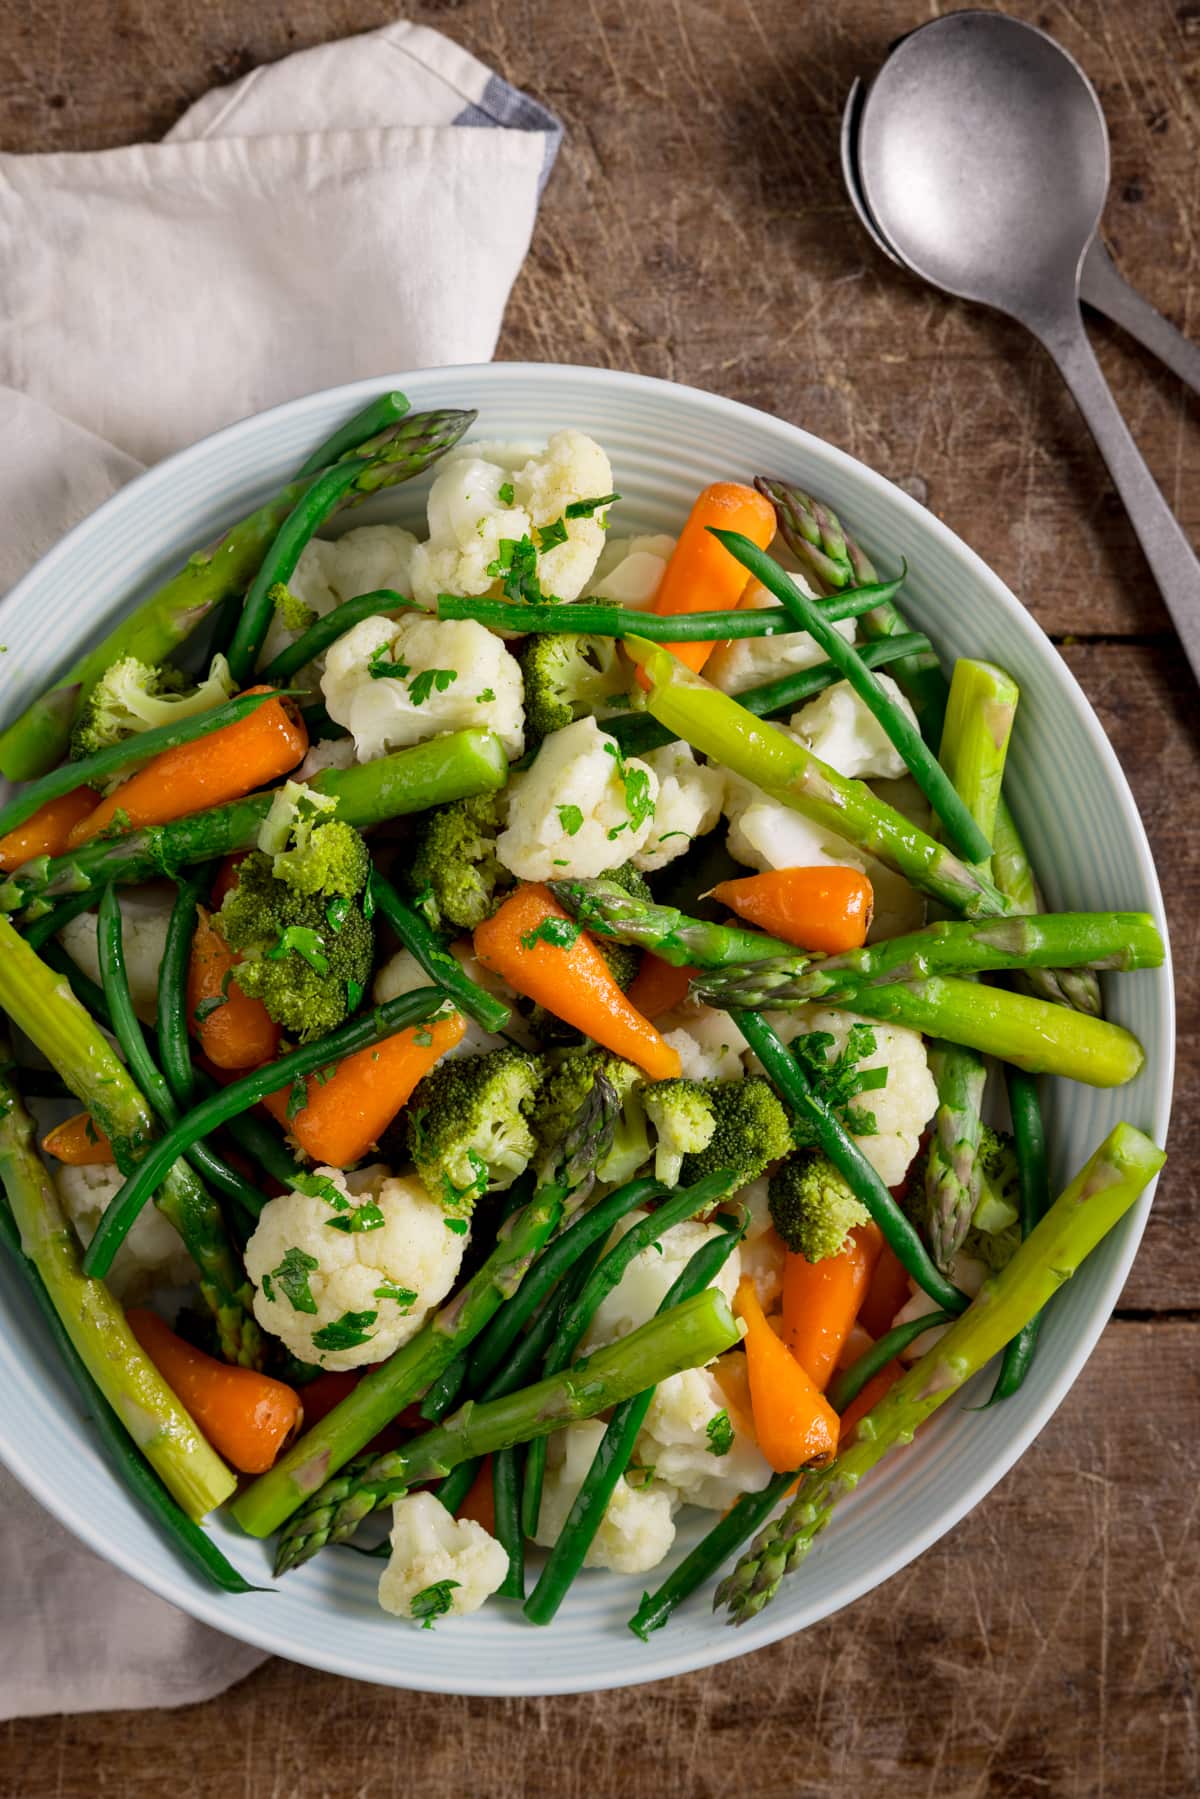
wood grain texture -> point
(695, 228)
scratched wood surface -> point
(695, 228)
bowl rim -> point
(773, 1624)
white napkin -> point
(327, 217)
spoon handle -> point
(1102, 286)
(1171, 557)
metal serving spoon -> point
(981, 158)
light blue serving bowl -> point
(1084, 835)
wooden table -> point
(696, 228)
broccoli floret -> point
(297, 918)
(995, 1231)
(133, 696)
(468, 1125)
(684, 1120)
(752, 1131)
(567, 678)
(455, 861)
(812, 1207)
(576, 1076)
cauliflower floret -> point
(327, 752)
(903, 1107)
(707, 1042)
(761, 1248)
(145, 915)
(648, 1278)
(629, 571)
(636, 1531)
(458, 674)
(841, 729)
(766, 834)
(468, 517)
(967, 1273)
(676, 1443)
(328, 573)
(690, 795)
(580, 810)
(151, 1256)
(321, 1288)
(430, 1546)
(402, 973)
(749, 661)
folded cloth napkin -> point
(325, 218)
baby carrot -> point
(234, 1030)
(246, 1416)
(47, 831)
(795, 1425)
(887, 1292)
(701, 575)
(79, 1142)
(209, 771)
(347, 1108)
(821, 909)
(658, 986)
(545, 955)
(821, 1301)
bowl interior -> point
(1086, 840)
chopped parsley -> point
(346, 1332)
(840, 1081)
(559, 933)
(486, 697)
(458, 1225)
(423, 1037)
(429, 679)
(358, 1219)
(553, 533)
(354, 993)
(297, 1097)
(427, 906)
(368, 902)
(292, 1275)
(638, 801)
(404, 1297)
(208, 1006)
(506, 493)
(516, 566)
(571, 819)
(301, 940)
(337, 912)
(640, 1474)
(433, 1602)
(319, 1186)
(380, 669)
(588, 508)
(719, 1432)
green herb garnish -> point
(292, 1275)
(346, 1332)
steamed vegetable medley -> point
(551, 1021)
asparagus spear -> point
(809, 528)
(384, 410)
(688, 1336)
(96, 1327)
(716, 724)
(956, 821)
(42, 1006)
(1080, 1218)
(39, 737)
(447, 768)
(979, 721)
(1035, 1035)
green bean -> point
(329, 627)
(702, 1195)
(847, 1385)
(428, 948)
(174, 1047)
(377, 416)
(1033, 1202)
(958, 825)
(613, 1452)
(506, 1505)
(359, 1033)
(91, 771)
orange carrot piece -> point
(246, 1416)
(701, 575)
(79, 1142)
(47, 831)
(887, 1292)
(822, 909)
(240, 1032)
(571, 978)
(206, 772)
(821, 1301)
(870, 1396)
(658, 986)
(480, 1503)
(795, 1425)
(347, 1112)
